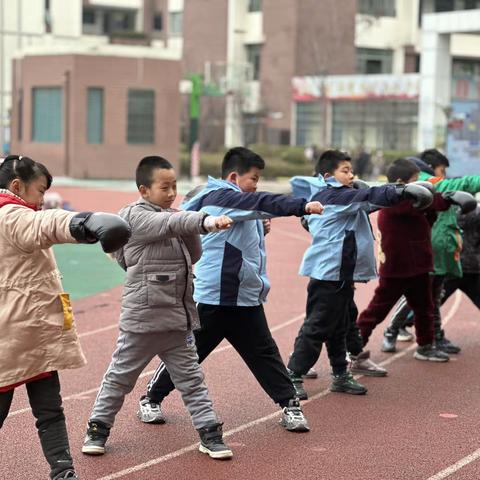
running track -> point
(421, 422)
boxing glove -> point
(464, 200)
(421, 196)
(428, 185)
(110, 230)
(360, 184)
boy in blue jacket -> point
(341, 254)
(231, 284)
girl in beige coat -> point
(37, 331)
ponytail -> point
(23, 168)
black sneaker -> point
(95, 439)
(430, 353)
(345, 383)
(389, 343)
(68, 474)
(293, 418)
(211, 442)
(297, 381)
(445, 345)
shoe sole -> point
(368, 373)
(93, 450)
(404, 339)
(419, 356)
(310, 376)
(224, 455)
(157, 421)
(298, 428)
(350, 392)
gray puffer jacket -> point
(158, 259)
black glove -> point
(464, 200)
(360, 184)
(428, 185)
(111, 230)
(422, 197)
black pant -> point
(46, 402)
(354, 338)
(329, 306)
(468, 284)
(247, 330)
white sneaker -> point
(293, 418)
(404, 335)
(150, 412)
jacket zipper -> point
(261, 263)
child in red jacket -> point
(406, 260)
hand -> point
(422, 197)
(214, 224)
(464, 200)
(314, 207)
(111, 230)
(267, 226)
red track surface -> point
(396, 431)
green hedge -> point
(281, 161)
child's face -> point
(247, 181)
(31, 192)
(163, 190)
(440, 171)
(413, 178)
(343, 173)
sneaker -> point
(150, 412)
(447, 346)
(389, 343)
(297, 381)
(97, 434)
(68, 474)
(430, 353)
(293, 418)
(345, 383)
(311, 374)
(211, 442)
(362, 365)
(404, 335)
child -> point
(158, 312)
(231, 284)
(446, 234)
(36, 320)
(341, 253)
(406, 260)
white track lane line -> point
(456, 466)
(79, 395)
(258, 421)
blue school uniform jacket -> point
(342, 244)
(232, 269)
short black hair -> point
(403, 169)
(434, 158)
(241, 160)
(23, 168)
(144, 172)
(329, 161)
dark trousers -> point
(247, 330)
(329, 308)
(354, 338)
(46, 402)
(417, 291)
(469, 284)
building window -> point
(373, 60)
(310, 123)
(157, 22)
(47, 115)
(95, 115)
(141, 116)
(106, 21)
(255, 5)
(20, 115)
(253, 58)
(175, 24)
(377, 8)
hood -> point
(195, 202)
(308, 187)
(424, 167)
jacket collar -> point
(8, 198)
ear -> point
(399, 180)
(232, 177)
(143, 190)
(327, 175)
(15, 186)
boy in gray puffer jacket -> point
(158, 312)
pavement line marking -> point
(149, 372)
(258, 421)
(456, 466)
(98, 330)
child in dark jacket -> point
(406, 261)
